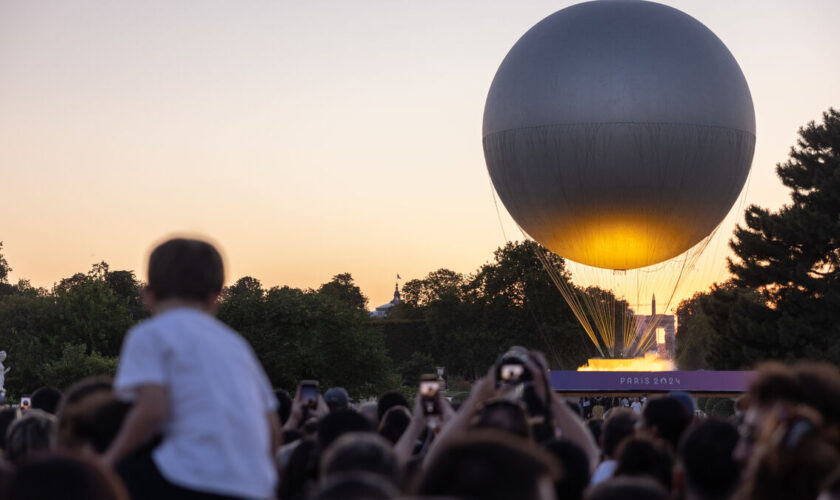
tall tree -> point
(519, 299)
(792, 256)
(437, 285)
(696, 331)
(725, 328)
(342, 287)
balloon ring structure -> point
(618, 133)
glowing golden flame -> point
(618, 241)
(649, 363)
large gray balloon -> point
(619, 133)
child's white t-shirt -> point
(217, 438)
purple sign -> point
(690, 381)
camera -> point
(511, 369)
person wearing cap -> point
(686, 399)
(337, 398)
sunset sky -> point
(310, 138)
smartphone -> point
(429, 389)
(25, 403)
(511, 373)
(309, 393)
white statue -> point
(3, 371)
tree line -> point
(462, 322)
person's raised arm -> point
(405, 445)
(298, 415)
(276, 432)
(144, 421)
(483, 390)
(573, 428)
(570, 425)
(295, 419)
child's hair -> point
(185, 269)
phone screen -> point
(309, 395)
(512, 372)
(25, 403)
(429, 388)
(428, 394)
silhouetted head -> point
(301, 470)
(337, 398)
(92, 423)
(394, 423)
(686, 399)
(820, 383)
(46, 399)
(356, 486)
(794, 457)
(76, 424)
(34, 432)
(388, 400)
(64, 477)
(83, 388)
(575, 466)
(666, 418)
(490, 465)
(105, 423)
(646, 457)
(504, 415)
(368, 410)
(775, 384)
(7, 416)
(340, 422)
(705, 456)
(185, 269)
(360, 452)
(626, 488)
(620, 424)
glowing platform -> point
(699, 382)
(648, 363)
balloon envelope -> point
(619, 133)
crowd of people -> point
(190, 414)
(594, 407)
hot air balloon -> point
(619, 133)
